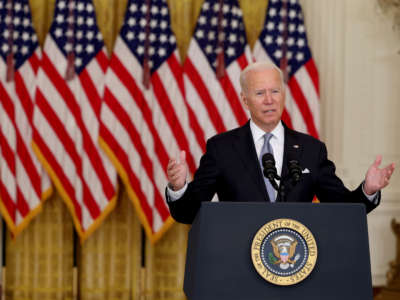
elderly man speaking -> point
(232, 165)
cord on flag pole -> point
(284, 60)
(10, 42)
(220, 68)
(70, 72)
(146, 58)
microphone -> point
(269, 171)
(294, 170)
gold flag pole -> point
(3, 260)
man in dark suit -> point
(231, 166)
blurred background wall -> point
(357, 53)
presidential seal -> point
(284, 252)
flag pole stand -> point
(143, 287)
(3, 261)
(3, 283)
(75, 283)
(75, 268)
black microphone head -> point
(268, 163)
(294, 170)
(268, 160)
(269, 171)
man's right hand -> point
(177, 172)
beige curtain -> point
(109, 262)
(39, 264)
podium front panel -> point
(219, 264)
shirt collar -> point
(257, 132)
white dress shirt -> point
(277, 143)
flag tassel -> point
(146, 74)
(220, 64)
(70, 72)
(10, 67)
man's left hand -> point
(376, 178)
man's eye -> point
(275, 91)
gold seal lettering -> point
(257, 249)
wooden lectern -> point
(219, 264)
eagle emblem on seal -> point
(284, 251)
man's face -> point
(264, 97)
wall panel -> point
(356, 51)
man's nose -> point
(268, 99)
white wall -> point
(356, 51)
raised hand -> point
(376, 178)
(177, 172)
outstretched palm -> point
(376, 178)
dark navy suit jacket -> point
(231, 169)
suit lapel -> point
(244, 144)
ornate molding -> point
(392, 8)
(392, 290)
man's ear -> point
(243, 98)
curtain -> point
(39, 262)
(109, 262)
(116, 262)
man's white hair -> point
(258, 66)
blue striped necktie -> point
(267, 149)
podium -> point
(219, 264)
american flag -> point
(67, 112)
(23, 182)
(283, 41)
(144, 112)
(217, 53)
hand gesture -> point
(376, 179)
(177, 172)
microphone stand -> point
(281, 197)
(269, 171)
